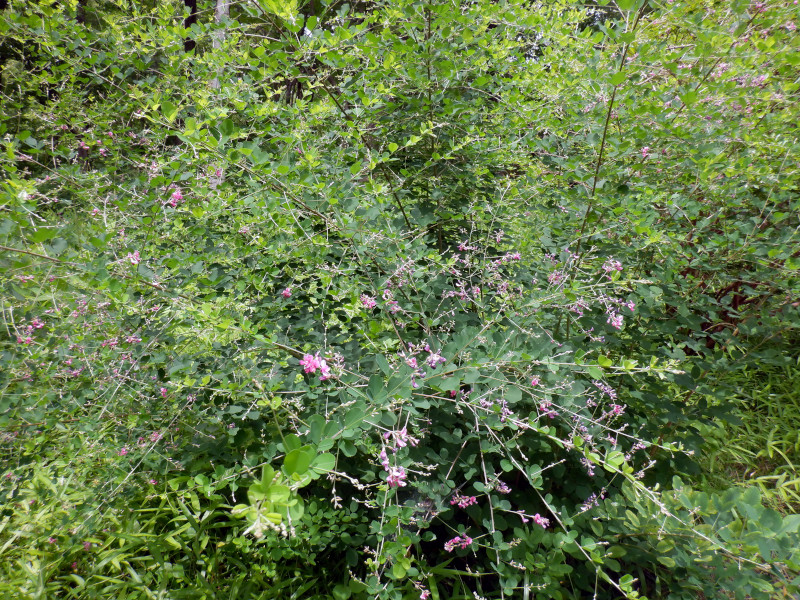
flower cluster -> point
(401, 438)
(313, 362)
(435, 359)
(612, 265)
(463, 501)
(615, 320)
(540, 520)
(368, 301)
(461, 542)
(175, 197)
(396, 477)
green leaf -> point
(42, 234)
(618, 78)
(227, 128)
(355, 416)
(297, 461)
(594, 372)
(666, 561)
(323, 464)
(169, 110)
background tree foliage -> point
(399, 299)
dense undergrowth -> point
(399, 300)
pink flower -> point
(123, 451)
(463, 501)
(287, 293)
(424, 595)
(368, 301)
(615, 320)
(324, 370)
(134, 257)
(384, 458)
(396, 477)
(458, 541)
(535, 381)
(311, 363)
(435, 359)
(645, 151)
(540, 520)
(401, 438)
(163, 391)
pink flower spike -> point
(311, 363)
(540, 520)
(435, 359)
(163, 391)
(324, 370)
(397, 476)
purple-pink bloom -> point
(463, 501)
(324, 370)
(458, 541)
(368, 301)
(396, 477)
(134, 257)
(384, 458)
(287, 293)
(310, 362)
(435, 359)
(540, 520)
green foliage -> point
(759, 445)
(394, 300)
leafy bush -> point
(395, 300)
